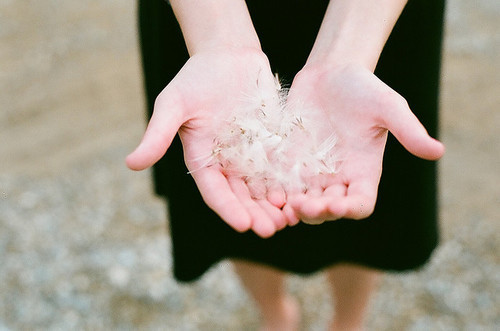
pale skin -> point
(338, 79)
(226, 60)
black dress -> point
(400, 235)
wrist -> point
(223, 44)
(336, 57)
(354, 32)
(215, 24)
(224, 35)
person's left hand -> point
(361, 109)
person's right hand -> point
(204, 92)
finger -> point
(291, 216)
(336, 195)
(257, 189)
(319, 204)
(408, 130)
(314, 221)
(294, 207)
(360, 200)
(162, 128)
(276, 195)
(274, 213)
(336, 190)
(314, 191)
(313, 209)
(262, 224)
(218, 195)
(325, 208)
(358, 207)
(295, 201)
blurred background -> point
(83, 241)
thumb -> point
(408, 130)
(166, 120)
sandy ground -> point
(83, 242)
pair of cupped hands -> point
(359, 106)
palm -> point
(361, 109)
(206, 90)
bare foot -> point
(287, 318)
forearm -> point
(355, 32)
(212, 24)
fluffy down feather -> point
(269, 142)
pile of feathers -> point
(270, 142)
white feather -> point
(269, 142)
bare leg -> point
(279, 311)
(352, 288)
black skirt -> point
(402, 232)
